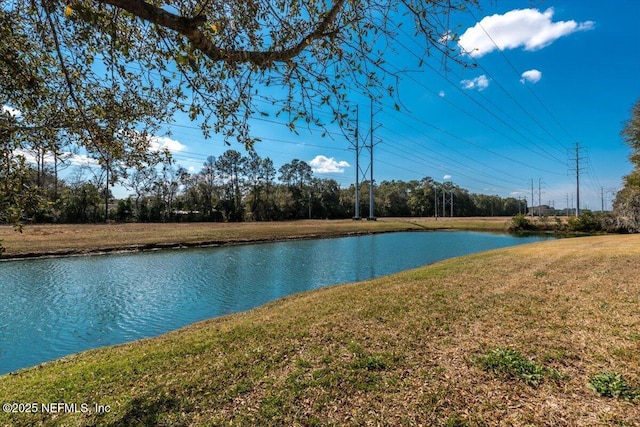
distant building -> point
(543, 210)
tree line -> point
(69, 77)
(235, 187)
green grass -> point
(399, 350)
(511, 363)
(610, 384)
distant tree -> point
(626, 206)
(124, 210)
(230, 166)
(260, 175)
(297, 177)
(513, 206)
(207, 187)
(296, 173)
(103, 75)
(81, 203)
(463, 204)
(392, 197)
(326, 199)
(141, 182)
(422, 198)
(269, 177)
(171, 180)
(16, 190)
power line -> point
(483, 107)
(577, 170)
(517, 73)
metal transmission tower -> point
(371, 181)
(451, 196)
(435, 200)
(356, 145)
(532, 201)
(444, 196)
(539, 196)
(577, 170)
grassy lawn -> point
(82, 238)
(518, 336)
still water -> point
(55, 307)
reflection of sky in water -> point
(54, 307)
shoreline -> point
(370, 350)
(150, 247)
(69, 240)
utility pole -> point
(435, 200)
(356, 215)
(602, 198)
(539, 196)
(577, 179)
(371, 182)
(519, 204)
(444, 200)
(577, 171)
(451, 200)
(572, 208)
(532, 201)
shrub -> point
(586, 223)
(520, 223)
(610, 384)
(513, 364)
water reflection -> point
(54, 307)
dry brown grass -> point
(399, 350)
(82, 238)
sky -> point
(550, 76)
(553, 81)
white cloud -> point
(531, 76)
(66, 157)
(527, 28)
(322, 164)
(446, 177)
(82, 160)
(480, 83)
(155, 144)
(441, 94)
(158, 143)
(12, 111)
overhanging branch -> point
(191, 28)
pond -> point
(58, 306)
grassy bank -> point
(69, 239)
(507, 337)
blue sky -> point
(566, 72)
(552, 74)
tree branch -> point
(191, 28)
